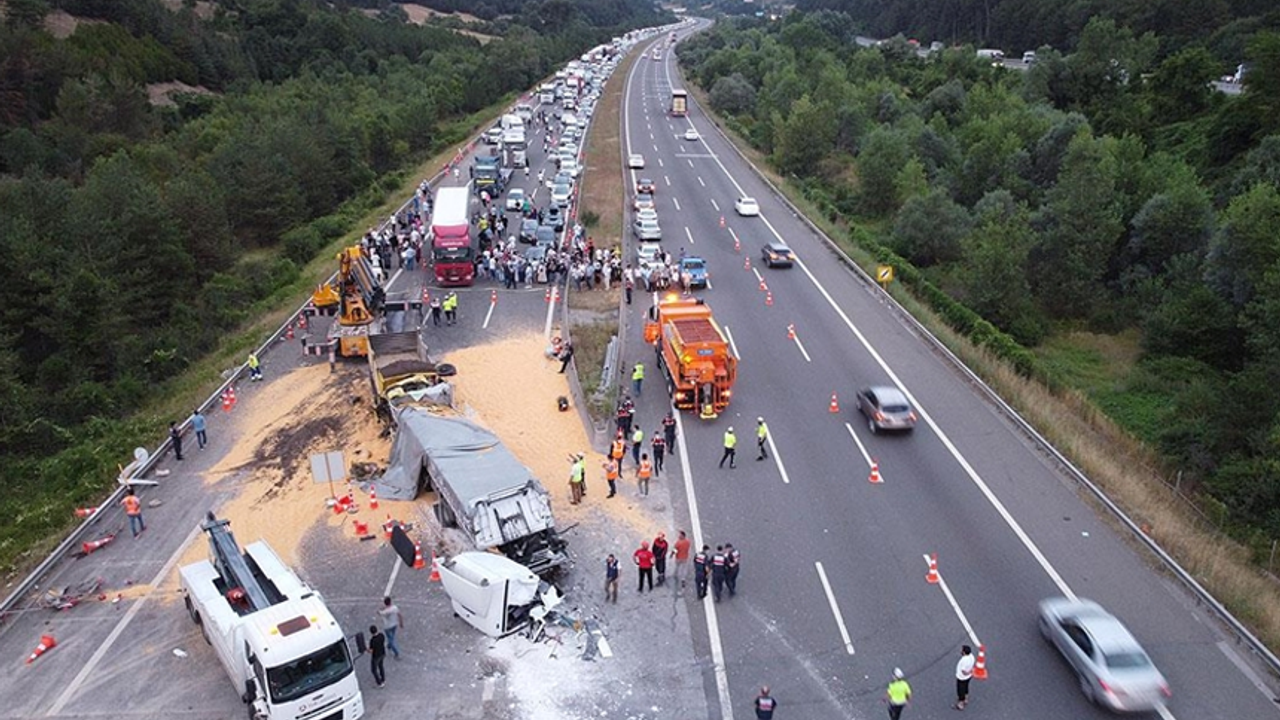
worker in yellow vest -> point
(730, 448)
(762, 437)
(637, 440)
(899, 694)
(637, 378)
(577, 474)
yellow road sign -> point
(884, 274)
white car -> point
(560, 195)
(647, 214)
(746, 206)
(570, 166)
(690, 134)
(648, 230)
(515, 199)
(635, 162)
(647, 254)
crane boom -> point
(231, 565)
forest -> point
(1109, 188)
(136, 234)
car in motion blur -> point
(746, 206)
(1112, 668)
(886, 408)
(777, 254)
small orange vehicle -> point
(693, 354)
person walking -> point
(611, 476)
(133, 509)
(669, 431)
(659, 444)
(565, 356)
(637, 378)
(255, 366)
(964, 673)
(175, 437)
(199, 425)
(681, 553)
(644, 473)
(762, 437)
(701, 569)
(644, 563)
(451, 308)
(730, 451)
(660, 550)
(719, 564)
(392, 620)
(637, 443)
(577, 474)
(765, 704)
(898, 694)
(611, 579)
(733, 563)
(377, 654)
(435, 310)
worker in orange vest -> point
(133, 508)
(643, 473)
(619, 449)
(611, 475)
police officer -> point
(659, 451)
(765, 704)
(733, 558)
(719, 566)
(701, 568)
(661, 548)
(730, 443)
(669, 431)
(762, 436)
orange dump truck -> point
(693, 354)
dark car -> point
(554, 217)
(886, 408)
(528, 230)
(777, 254)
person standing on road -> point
(898, 694)
(733, 563)
(565, 356)
(175, 437)
(628, 283)
(392, 620)
(660, 549)
(611, 476)
(701, 568)
(730, 445)
(659, 444)
(765, 704)
(719, 565)
(637, 378)
(435, 310)
(637, 443)
(669, 431)
(681, 553)
(199, 425)
(644, 563)
(133, 509)
(577, 474)
(619, 449)
(611, 579)
(451, 308)
(377, 654)
(964, 673)
(762, 437)
(255, 366)
(644, 473)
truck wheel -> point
(445, 515)
(446, 370)
(205, 634)
(191, 610)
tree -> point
(1247, 244)
(804, 139)
(1181, 85)
(929, 229)
(1178, 221)
(995, 267)
(733, 95)
(884, 153)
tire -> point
(871, 425)
(205, 634)
(1086, 687)
(446, 370)
(191, 611)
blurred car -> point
(545, 237)
(642, 201)
(693, 272)
(777, 254)
(535, 254)
(528, 228)
(647, 230)
(562, 178)
(515, 199)
(554, 217)
(690, 134)
(886, 408)
(1113, 669)
(635, 161)
(746, 206)
(560, 194)
(570, 166)
(645, 185)
(647, 254)
(647, 214)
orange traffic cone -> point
(746, 263)
(226, 402)
(85, 512)
(737, 244)
(791, 332)
(980, 668)
(768, 299)
(493, 296)
(546, 297)
(373, 498)
(763, 287)
(91, 545)
(875, 478)
(932, 577)
(835, 405)
(418, 562)
(362, 528)
(435, 568)
(388, 526)
(231, 393)
(288, 333)
(47, 643)
(722, 221)
(302, 322)
(426, 297)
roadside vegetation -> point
(150, 246)
(1104, 250)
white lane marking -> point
(664, 177)
(734, 235)
(964, 621)
(733, 345)
(393, 279)
(660, 162)
(835, 609)
(655, 147)
(688, 234)
(676, 200)
(391, 581)
(1244, 668)
(1164, 713)
(716, 205)
(690, 163)
(118, 630)
(777, 459)
(700, 182)
(861, 448)
(803, 352)
(488, 315)
(487, 693)
(651, 137)
(756, 270)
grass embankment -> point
(86, 469)
(1101, 376)
(594, 315)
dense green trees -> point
(1108, 187)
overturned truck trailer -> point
(483, 490)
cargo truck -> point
(276, 639)
(451, 250)
(679, 103)
(693, 355)
(403, 373)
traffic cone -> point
(362, 528)
(768, 299)
(388, 526)
(763, 286)
(426, 297)
(980, 668)
(435, 568)
(288, 333)
(418, 563)
(721, 221)
(85, 512)
(493, 296)
(932, 577)
(91, 545)
(547, 296)
(791, 332)
(302, 322)
(835, 405)
(47, 643)
(737, 244)
(746, 263)
(875, 478)
(373, 498)
(231, 393)
(226, 401)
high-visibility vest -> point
(577, 472)
(619, 448)
(611, 471)
(730, 440)
(637, 437)
(638, 373)
(762, 431)
(253, 360)
(132, 506)
(646, 470)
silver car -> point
(648, 230)
(1113, 669)
(886, 408)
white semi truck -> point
(280, 645)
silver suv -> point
(886, 408)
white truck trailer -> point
(280, 645)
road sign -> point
(884, 275)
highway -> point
(833, 593)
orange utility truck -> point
(693, 354)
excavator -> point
(358, 300)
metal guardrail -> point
(1203, 596)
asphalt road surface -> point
(833, 593)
